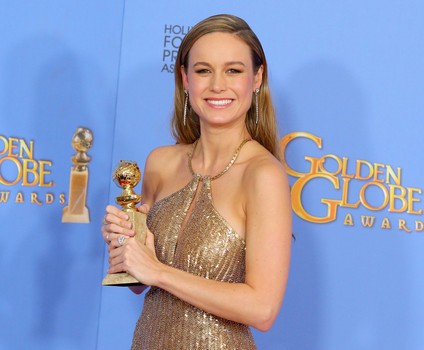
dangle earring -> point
(185, 106)
(257, 106)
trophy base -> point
(120, 279)
(83, 218)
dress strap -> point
(236, 153)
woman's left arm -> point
(268, 240)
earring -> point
(185, 106)
(257, 106)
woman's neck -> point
(215, 149)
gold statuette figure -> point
(127, 175)
(76, 210)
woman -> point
(217, 257)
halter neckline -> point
(236, 153)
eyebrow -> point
(226, 64)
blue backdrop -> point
(347, 79)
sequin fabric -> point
(208, 247)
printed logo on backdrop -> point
(25, 178)
(173, 35)
(23, 174)
(353, 184)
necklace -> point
(236, 153)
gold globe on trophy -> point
(127, 175)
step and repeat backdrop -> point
(84, 84)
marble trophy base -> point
(83, 218)
(120, 279)
(76, 211)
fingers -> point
(118, 241)
(116, 268)
(119, 255)
(115, 242)
(119, 230)
(115, 223)
(116, 264)
(111, 209)
(144, 208)
(111, 232)
(116, 216)
(105, 234)
(134, 258)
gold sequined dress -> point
(208, 247)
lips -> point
(219, 102)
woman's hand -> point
(115, 223)
(135, 258)
(126, 254)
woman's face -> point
(220, 78)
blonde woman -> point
(219, 215)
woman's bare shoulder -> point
(265, 182)
(161, 165)
(264, 174)
(261, 165)
(166, 157)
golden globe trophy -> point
(127, 175)
(76, 210)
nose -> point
(218, 83)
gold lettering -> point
(62, 198)
(396, 178)
(28, 150)
(4, 196)
(358, 170)
(344, 174)
(6, 145)
(49, 198)
(287, 139)
(385, 223)
(402, 226)
(332, 156)
(27, 170)
(12, 146)
(367, 221)
(377, 171)
(400, 197)
(44, 172)
(297, 196)
(34, 198)
(364, 201)
(419, 225)
(18, 177)
(344, 202)
(314, 164)
(19, 198)
(411, 200)
(348, 221)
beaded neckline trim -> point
(236, 153)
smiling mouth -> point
(219, 102)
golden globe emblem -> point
(127, 175)
(82, 142)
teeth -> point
(219, 102)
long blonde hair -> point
(266, 131)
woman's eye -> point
(234, 71)
(202, 71)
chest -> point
(206, 245)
